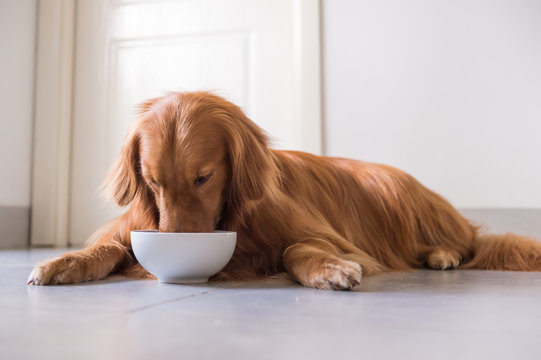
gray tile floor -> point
(417, 315)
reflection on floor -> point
(418, 315)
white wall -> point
(17, 44)
(449, 91)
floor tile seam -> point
(149, 306)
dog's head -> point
(191, 159)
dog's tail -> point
(505, 252)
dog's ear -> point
(125, 180)
(254, 172)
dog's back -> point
(392, 217)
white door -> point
(261, 54)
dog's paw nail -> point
(31, 279)
(353, 282)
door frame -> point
(52, 123)
(55, 62)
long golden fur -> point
(193, 162)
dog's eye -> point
(154, 184)
(200, 180)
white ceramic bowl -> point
(183, 258)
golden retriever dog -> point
(193, 162)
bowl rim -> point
(157, 232)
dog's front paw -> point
(336, 274)
(56, 271)
(70, 268)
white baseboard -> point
(520, 221)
